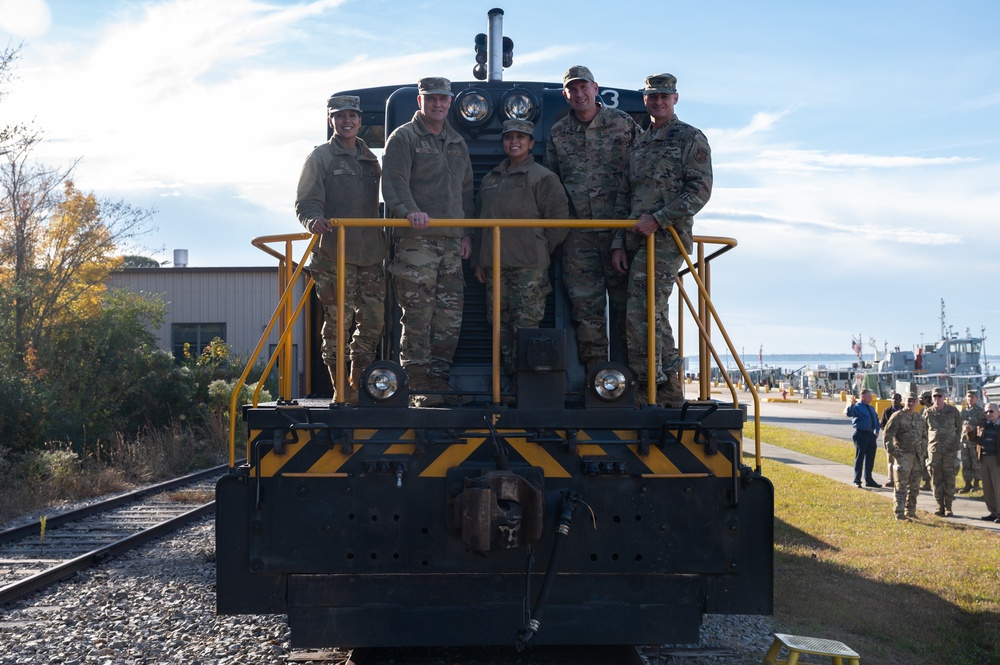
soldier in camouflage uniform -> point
(925, 402)
(587, 150)
(905, 434)
(340, 179)
(972, 416)
(428, 175)
(944, 433)
(668, 179)
(519, 188)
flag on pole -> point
(760, 355)
(856, 347)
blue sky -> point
(855, 144)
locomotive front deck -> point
(443, 531)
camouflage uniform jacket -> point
(527, 191)
(974, 416)
(423, 172)
(668, 175)
(904, 433)
(338, 182)
(944, 429)
(589, 160)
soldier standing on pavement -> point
(925, 402)
(972, 415)
(897, 405)
(428, 176)
(519, 188)
(904, 435)
(944, 433)
(986, 436)
(668, 179)
(340, 179)
(587, 150)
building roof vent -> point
(180, 258)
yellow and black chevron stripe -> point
(309, 457)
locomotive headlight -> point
(474, 107)
(382, 383)
(520, 105)
(610, 383)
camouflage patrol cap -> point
(343, 103)
(971, 393)
(434, 85)
(925, 395)
(938, 392)
(665, 84)
(517, 125)
(577, 73)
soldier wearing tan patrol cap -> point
(972, 416)
(428, 176)
(587, 150)
(944, 433)
(340, 179)
(667, 180)
(519, 188)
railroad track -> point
(32, 558)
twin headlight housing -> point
(474, 107)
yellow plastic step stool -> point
(796, 645)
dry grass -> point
(922, 593)
(56, 476)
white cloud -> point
(25, 18)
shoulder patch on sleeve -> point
(701, 155)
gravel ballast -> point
(157, 605)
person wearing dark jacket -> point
(866, 429)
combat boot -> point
(966, 489)
(348, 395)
(975, 486)
(670, 393)
(420, 380)
(947, 509)
(354, 382)
(940, 511)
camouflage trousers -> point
(944, 468)
(970, 465)
(364, 306)
(907, 483)
(668, 260)
(592, 283)
(522, 305)
(430, 288)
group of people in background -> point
(599, 164)
(930, 444)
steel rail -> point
(50, 576)
(31, 528)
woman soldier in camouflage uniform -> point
(340, 179)
(519, 188)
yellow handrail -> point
(288, 313)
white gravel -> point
(157, 605)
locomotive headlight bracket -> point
(519, 103)
(610, 385)
(384, 383)
(474, 107)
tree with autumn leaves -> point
(77, 362)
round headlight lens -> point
(519, 106)
(382, 383)
(610, 383)
(474, 107)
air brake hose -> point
(524, 635)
